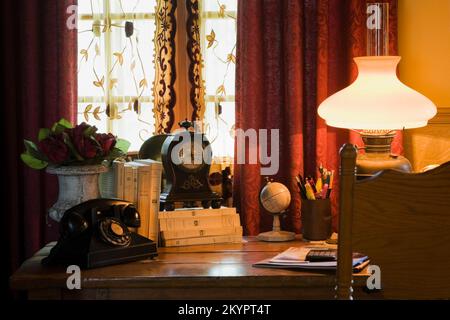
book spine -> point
(106, 182)
(207, 232)
(196, 213)
(144, 199)
(119, 178)
(154, 192)
(129, 184)
(202, 240)
(231, 220)
(145, 189)
(135, 185)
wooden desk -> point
(197, 272)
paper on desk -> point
(295, 255)
(291, 255)
(358, 265)
(295, 258)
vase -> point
(77, 184)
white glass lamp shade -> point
(377, 100)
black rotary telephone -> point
(96, 233)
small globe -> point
(275, 197)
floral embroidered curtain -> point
(165, 70)
(205, 37)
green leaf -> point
(32, 162)
(61, 125)
(30, 146)
(90, 131)
(43, 134)
(114, 154)
(123, 145)
(72, 148)
(33, 151)
(65, 123)
(92, 138)
(57, 128)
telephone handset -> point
(111, 217)
(97, 233)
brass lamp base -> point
(378, 156)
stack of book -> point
(139, 182)
(195, 226)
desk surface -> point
(220, 271)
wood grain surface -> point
(402, 221)
(222, 271)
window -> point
(115, 69)
(218, 31)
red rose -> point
(84, 144)
(106, 140)
(55, 149)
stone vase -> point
(76, 185)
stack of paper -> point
(295, 258)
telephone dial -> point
(97, 233)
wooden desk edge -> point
(24, 279)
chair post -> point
(347, 176)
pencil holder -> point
(316, 219)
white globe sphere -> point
(275, 197)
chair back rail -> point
(402, 222)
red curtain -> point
(291, 55)
(40, 73)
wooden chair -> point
(402, 222)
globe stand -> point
(276, 234)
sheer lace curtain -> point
(116, 67)
(130, 76)
(218, 29)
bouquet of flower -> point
(67, 145)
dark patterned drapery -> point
(39, 66)
(291, 55)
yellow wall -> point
(424, 44)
